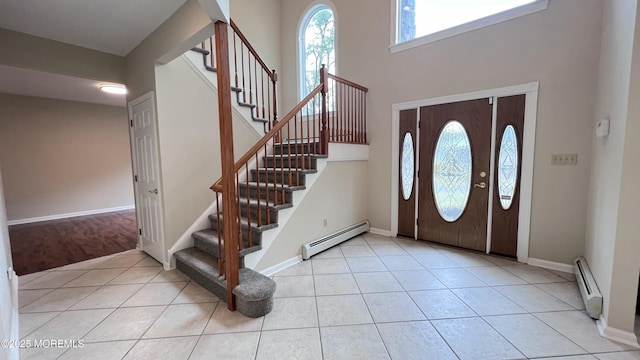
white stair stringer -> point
(337, 152)
(202, 222)
(194, 60)
(269, 236)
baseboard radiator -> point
(322, 244)
(588, 288)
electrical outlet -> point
(564, 159)
(557, 159)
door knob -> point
(154, 191)
(481, 185)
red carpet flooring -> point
(49, 244)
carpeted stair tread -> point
(244, 224)
(201, 51)
(203, 269)
(254, 286)
(207, 241)
(200, 261)
(316, 156)
(286, 170)
(254, 294)
(263, 203)
(272, 186)
(246, 104)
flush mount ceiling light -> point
(113, 89)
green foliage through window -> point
(318, 41)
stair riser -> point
(256, 236)
(288, 149)
(274, 195)
(253, 209)
(206, 247)
(217, 289)
(279, 177)
(213, 250)
(291, 162)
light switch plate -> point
(564, 159)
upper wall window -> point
(317, 46)
(423, 21)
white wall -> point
(558, 47)
(63, 157)
(189, 139)
(612, 249)
(338, 195)
(259, 21)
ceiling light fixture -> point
(113, 89)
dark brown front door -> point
(455, 151)
(406, 173)
(508, 164)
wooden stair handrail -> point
(253, 51)
(217, 186)
(347, 82)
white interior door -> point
(144, 146)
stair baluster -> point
(262, 181)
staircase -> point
(266, 194)
(263, 180)
(241, 100)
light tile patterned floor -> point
(372, 297)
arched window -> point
(317, 46)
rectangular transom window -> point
(419, 22)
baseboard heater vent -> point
(322, 244)
(588, 288)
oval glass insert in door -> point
(407, 167)
(507, 167)
(452, 171)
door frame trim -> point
(528, 148)
(150, 95)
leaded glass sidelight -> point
(507, 167)
(407, 166)
(452, 171)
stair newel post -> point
(228, 171)
(324, 135)
(274, 81)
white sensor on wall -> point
(602, 128)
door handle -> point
(154, 191)
(481, 185)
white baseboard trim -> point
(69, 215)
(272, 270)
(552, 265)
(617, 335)
(380, 231)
